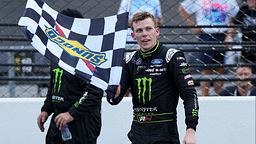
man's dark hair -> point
(72, 13)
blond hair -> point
(142, 16)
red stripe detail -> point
(89, 66)
(60, 31)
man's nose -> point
(243, 76)
(144, 33)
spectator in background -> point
(247, 17)
(209, 12)
(243, 88)
(74, 103)
(151, 6)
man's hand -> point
(41, 119)
(62, 119)
(197, 30)
(190, 137)
(112, 93)
(118, 91)
(228, 39)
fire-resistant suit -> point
(157, 79)
(68, 93)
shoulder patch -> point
(129, 56)
(169, 54)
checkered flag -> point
(91, 49)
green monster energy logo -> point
(142, 88)
(81, 100)
(57, 80)
(195, 112)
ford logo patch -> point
(156, 61)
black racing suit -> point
(68, 93)
(157, 79)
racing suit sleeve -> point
(90, 102)
(125, 84)
(184, 82)
(48, 107)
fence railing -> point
(21, 64)
(12, 79)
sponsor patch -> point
(195, 112)
(191, 82)
(145, 118)
(161, 69)
(137, 61)
(156, 65)
(57, 98)
(155, 74)
(156, 70)
(169, 54)
(141, 67)
(156, 61)
(150, 70)
(187, 76)
(145, 109)
(180, 58)
(185, 70)
(183, 64)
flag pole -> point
(128, 9)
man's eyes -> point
(147, 29)
(139, 30)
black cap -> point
(72, 13)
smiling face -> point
(145, 32)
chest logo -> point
(156, 61)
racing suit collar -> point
(147, 54)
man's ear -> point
(133, 36)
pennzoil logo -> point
(75, 48)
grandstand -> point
(25, 73)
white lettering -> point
(57, 98)
(142, 109)
(150, 70)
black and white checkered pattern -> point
(102, 35)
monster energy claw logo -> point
(195, 112)
(57, 80)
(143, 85)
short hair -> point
(72, 13)
(245, 66)
(142, 16)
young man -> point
(157, 76)
(74, 103)
(243, 88)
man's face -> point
(251, 4)
(145, 33)
(243, 72)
